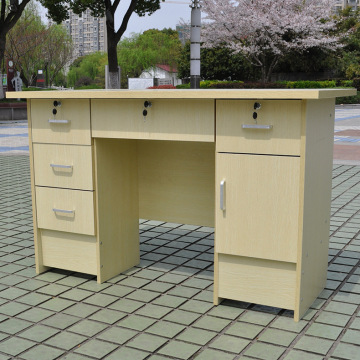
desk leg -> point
(117, 206)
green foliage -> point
(91, 67)
(218, 63)
(144, 51)
(307, 84)
(349, 99)
(58, 9)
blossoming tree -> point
(265, 30)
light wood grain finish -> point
(316, 187)
(257, 281)
(282, 139)
(39, 265)
(176, 181)
(81, 202)
(262, 206)
(117, 200)
(186, 120)
(69, 251)
(186, 94)
(77, 131)
(49, 162)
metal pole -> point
(195, 45)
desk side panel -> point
(316, 197)
(117, 205)
(39, 265)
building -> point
(88, 33)
(342, 4)
(163, 73)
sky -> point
(169, 15)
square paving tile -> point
(15, 346)
(331, 318)
(125, 353)
(108, 316)
(96, 348)
(179, 350)
(147, 342)
(324, 331)
(165, 329)
(244, 330)
(182, 317)
(61, 321)
(87, 328)
(136, 322)
(81, 310)
(277, 337)
(13, 326)
(154, 311)
(126, 305)
(265, 351)
(38, 333)
(197, 336)
(212, 323)
(42, 352)
(230, 344)
(66, 340)
(117, 335)
(211, 354)
(315, 345)
(346, 351)
(226, 312)
(13, 308)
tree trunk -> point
(2, 55)
(114, 81)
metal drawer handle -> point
(222, 195)
(61, 166)
(53, 121)
(63, 211)
(257, 126)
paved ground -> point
(163, 308)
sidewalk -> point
(162, 309)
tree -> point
(33, 45)
(266, 30)
(10, 13)
(58, 11)
(88, 69)
(348, 29)
(145, 51)
(217, 63)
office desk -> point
(256, 164)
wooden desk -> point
(197, 157)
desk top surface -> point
(210, 94)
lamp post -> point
(195, 44)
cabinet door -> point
(257, 206)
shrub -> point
(162, 87)
(84, 81)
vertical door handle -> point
(222, 195)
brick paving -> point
(162, 309)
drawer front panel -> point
(71, 124)
(277, 129)
(179, 120)
(260, 202)
(264, 282)
(69, 251)
(64, 166)
(65, 210)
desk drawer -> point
(65, 210)
(179, 120)
(69, 251)
(279, 132)
(71, 124)
(64, 166)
